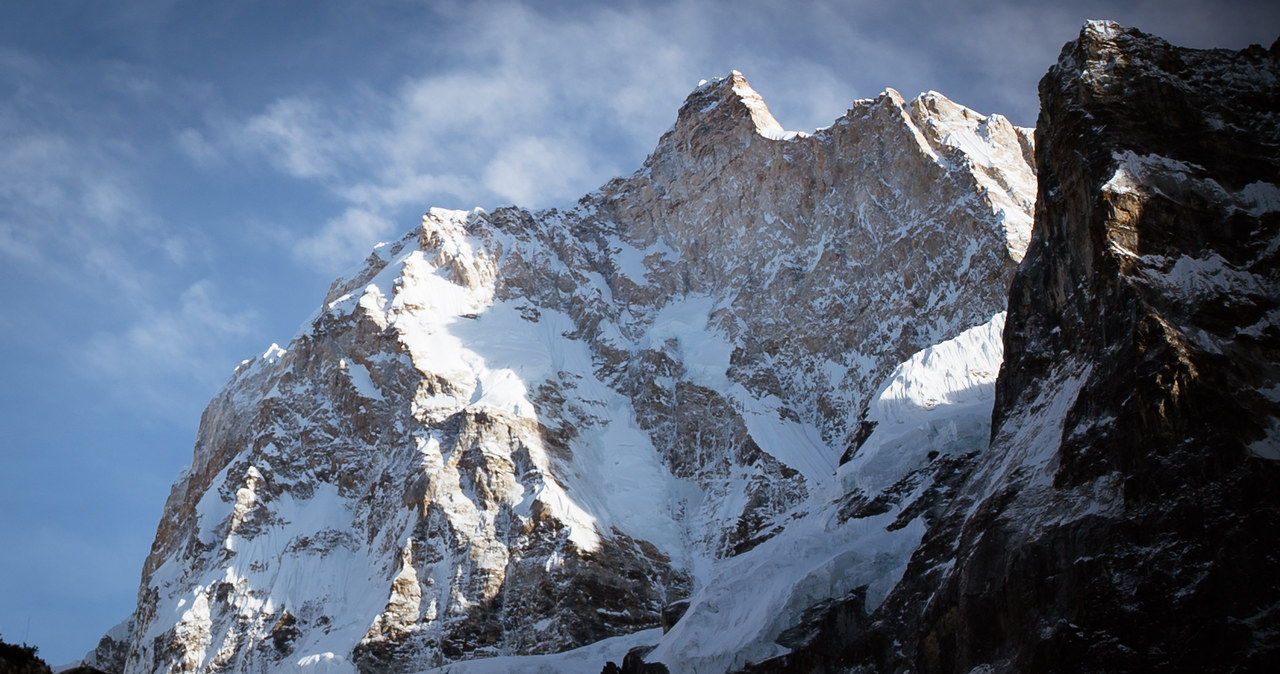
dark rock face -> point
(1127, 514)
(1128, 510)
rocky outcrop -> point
(515, 433)
(112, 650)
(1131, 503)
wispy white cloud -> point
(299, 136)
(44, 176)
(88, 252)
(193, 144)
(70, 215)
(333, 245)
(164, 344)
(510, 106)
(528, 168)
(406, 188)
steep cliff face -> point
(1125, 515)
(516, 433)
(1130, 508)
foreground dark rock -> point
(1153, 290)
(1127, 515)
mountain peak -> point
(729, 103)
(719, 118)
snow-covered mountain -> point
(735, 410)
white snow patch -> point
(938, 400)
(623, 479)
(1033, 443)
(358, 374)
(324, 663)
(752, 598)
(968, 141)
(1135, 173)
(794, 444)
(703, 348)
(1154, 174)
(1204, 278)
(632, 262)
(1259, 198)
(763, 120)
(269, 357)
(1269, 446)
(588, 659)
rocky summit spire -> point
(717, 118)
(729, 98)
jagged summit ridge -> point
(503, 413)
(737, 97)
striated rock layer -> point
(517, 433)
(1126, 514)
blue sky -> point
(181, 180)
